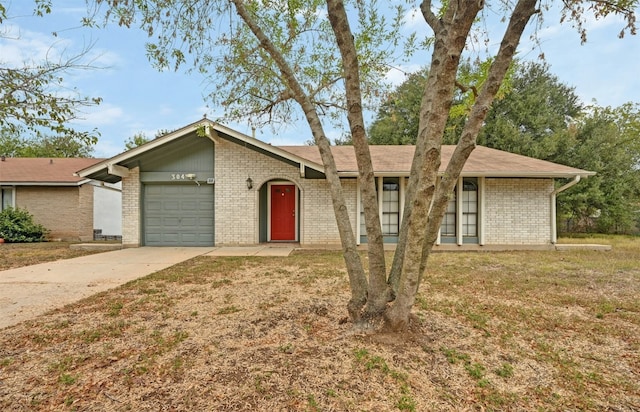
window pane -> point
(6, 198)
(390, 206)
(470, 207)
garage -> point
(178, 215)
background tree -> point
(34, 97)
(136, 140)
(397, 118)
(14, 145)
(534, 116)
(604, 140)
(141, 138)
(278, 60)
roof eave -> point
(188, 129)
(69, 184)
(539, 175)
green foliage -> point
(531, 120)
(13, 145)
(605, 140)
(398, 117)
(17, 226)
(537, 115)
(136, 140)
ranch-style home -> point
(71, 207)
(206, 185)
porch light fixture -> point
(249, 183)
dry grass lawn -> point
(511, 331)
(13, 255)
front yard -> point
(494, 331)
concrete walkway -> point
(259, 250)
(30, 291)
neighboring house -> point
(69, 206)
(206, 184)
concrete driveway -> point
(29, 291)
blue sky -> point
(137, 98)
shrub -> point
(17, 226)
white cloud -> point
(103, 115)
(107, 148)
(398, 75)
(19, 47)
(413, 19)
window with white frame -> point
(6, 198)
(390, 206)
(448, 226)
(461, 216)
(470, 207)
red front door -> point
(283, 212)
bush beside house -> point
(17, 226)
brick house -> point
(69, 206)
(206, 184)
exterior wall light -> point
(249, 183)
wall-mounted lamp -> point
(249, 183)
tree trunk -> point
(377, 293)
(355, 269)
(451, 32)
(521, 15)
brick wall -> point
(131, 201)
(517, 211)
(67, 212)
(237, 208)
(318, 216)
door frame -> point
(297, 208)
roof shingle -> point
(482, 162)
(48, 171)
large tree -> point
(532, 108)
(35, 100)
(268, 58)
(534, 116)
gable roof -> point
(38, 171)
(387, 160)
(213, 131)
(483, 161)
